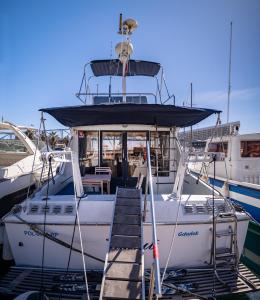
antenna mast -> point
(125, 49)
(229, 71)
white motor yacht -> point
(20, 165)
(237, 176)
(122, 142)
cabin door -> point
(125, 153)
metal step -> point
(226, 215)
(220, 251)
(224, 253)
(228, 232)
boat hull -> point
(192, 244)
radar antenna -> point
(125, 49)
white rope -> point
(80, 235)
(172, 242)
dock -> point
(19, 280)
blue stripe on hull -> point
(216, 182)
(242, 190)
(254, 211)
(250, 192)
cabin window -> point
(9, 142)
(160, 152)
(250, 148)
(88, 150)
(218, 147)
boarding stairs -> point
(226, 254)
(123, 276)
(224, 257)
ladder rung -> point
(225, 256)
(224, 233)
(220, 251)
(227, 215)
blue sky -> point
(44, 45)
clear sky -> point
(44, 45)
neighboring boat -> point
(116, 138)
(238, 175)
(20, 165)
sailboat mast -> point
(229, 72)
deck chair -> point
(93, 183)
(103, 170)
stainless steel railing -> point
(155, 270)
(114, 98)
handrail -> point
(149, 180)
(111, 95)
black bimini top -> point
(129, 113)
(113, 67)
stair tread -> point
(124, 271)
(119, 289)
(125, 255)
(126, 229)
(119, 241)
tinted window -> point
(218, 147)
(250, 148)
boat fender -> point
(7, 252)
(2, 228)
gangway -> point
(123, 276)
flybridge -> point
(114, 67)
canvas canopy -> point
(129, 113)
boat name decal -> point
(32, 233)
(190, 233)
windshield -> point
(9, 142)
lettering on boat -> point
(32, 233)
(188, 233)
